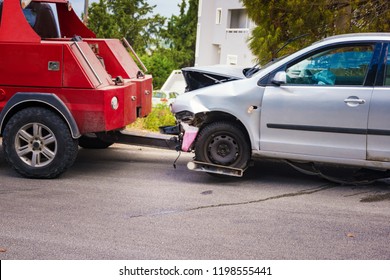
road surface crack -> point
(299, 193)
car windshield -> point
(256, 68)
(274, 60)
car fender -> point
(239, 99)
(27, 99)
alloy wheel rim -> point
(36, 145)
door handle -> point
(354, 101)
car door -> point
(322, 109)
(378, 139)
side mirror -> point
(280, 78)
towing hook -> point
(119, 81)
(76, 38)
(140, 75)
(178, 146)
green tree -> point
(280, 20)
(160, 64)
(180, 34)
(176, 47)
(130, 19)
(101, 21)
(162, 47)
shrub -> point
(160, 116)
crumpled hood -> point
(199, 77)
(222, 70)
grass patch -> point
(160, 116)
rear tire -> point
(37, 143)
(223, 143)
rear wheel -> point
(37, 143)
(223, 143)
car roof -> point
(358, 36)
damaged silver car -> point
(327, 104)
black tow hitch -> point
(171, 129)
(147, 139)
(175, 130)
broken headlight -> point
(185, 116)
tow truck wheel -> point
(91, 141)
(223, 143)
(37, 143)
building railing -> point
(237, 30)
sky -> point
(164, 7)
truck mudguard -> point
(52, 101)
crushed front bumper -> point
(186, 134)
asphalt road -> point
(128, 202)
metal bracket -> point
(53, 66)
(215, 168)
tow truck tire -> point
(37, 143)
(223, 143)
(93, 142)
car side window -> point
(347, 65)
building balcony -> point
(237, 30)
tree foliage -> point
(180, 34)
(163, 47)
(176, 48)
(130, 19)
(280, 20)
(160, 64)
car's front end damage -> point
(195, 108)
(200, 77)
(228, 99)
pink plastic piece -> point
(188, 139)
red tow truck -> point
(61, 87)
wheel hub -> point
(223, 150)
(36, 144)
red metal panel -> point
(70, 23)
(28, 65)
(82, 68)
(14, 26)
(130, 104)
(117, 60)
(126, 112)
(74, 75)
(86, 106)
(90, 108)
(144, 94)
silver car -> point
(328, 103)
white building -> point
(222, 34)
